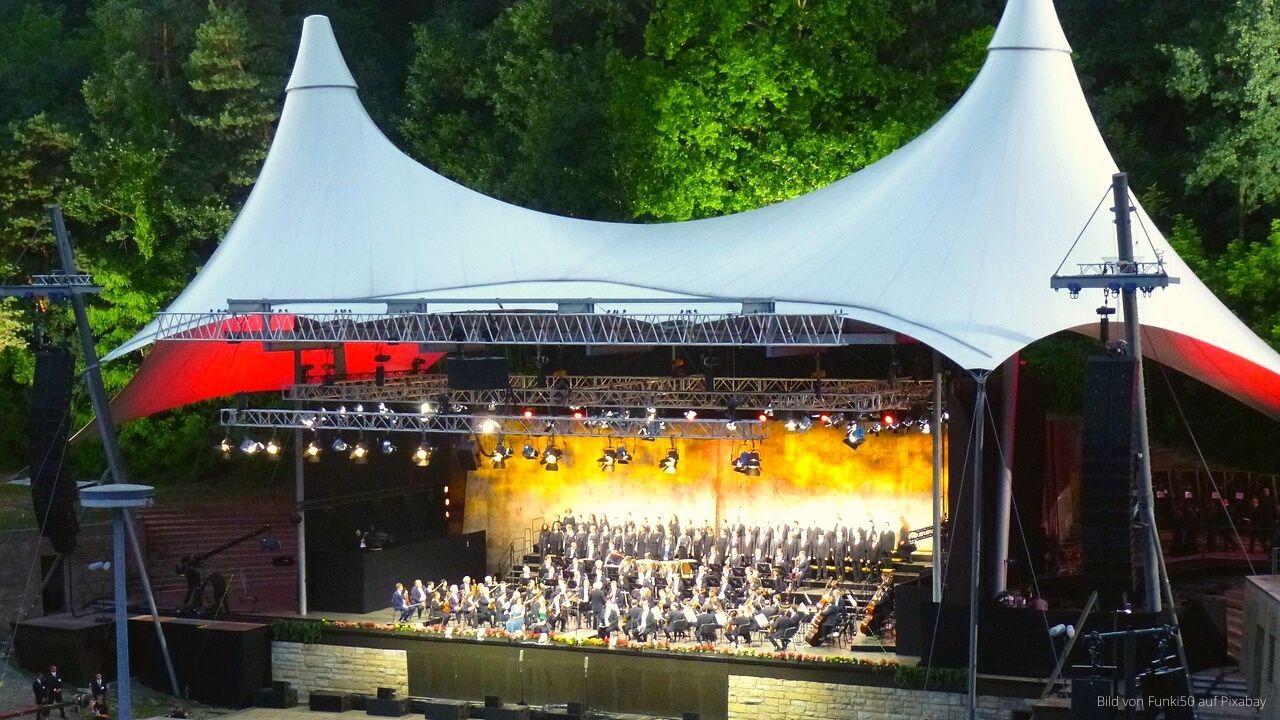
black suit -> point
(98, 689)
(41, 693)
(780, 628)
(707, 627)
(54, 684)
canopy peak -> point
(319, 62)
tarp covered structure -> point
(950, 240)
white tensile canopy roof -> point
(950, 240)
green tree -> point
(742, 103)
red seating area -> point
(171, 531)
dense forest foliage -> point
(148, 119)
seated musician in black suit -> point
(608, 620)
(398, 603)
(740, 626)
(786, 624)
(707, 625)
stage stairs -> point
(170, 532)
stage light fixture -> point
(529, 451)
(250, 446)
(387, 446)
(427, 408)
(608, 460)
(446, 514)
(446, 489)
(925, 427)
(791, 425)
(225, 447)
(498, 460)
(623, 457)
(312, 452)
(359, 453)
(731, 426)
(551, 458)
(422, 456)
(855, 437)
(528, 412)
(690, 414)
(359, 408)
(339, 445)
(888, 420)
(669, 463)
(804, 423)
(488, 426)
(763, 417)
(752, 468)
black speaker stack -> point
(1107, 476)
(53, 492)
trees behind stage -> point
(148, 120)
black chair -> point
(678, 630)
(707, 632)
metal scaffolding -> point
(786, 394)
(581, 326)
(379, 423)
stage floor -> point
(862, 647)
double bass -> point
(869, 615)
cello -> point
(813, 635)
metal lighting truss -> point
(52, 284)
(377, 423)
(606, 392)
(573, 322)
(1116, 275)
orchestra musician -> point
(400, 603)
(608, 619)
(785, 625)
(418, 596)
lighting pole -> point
(120, 497)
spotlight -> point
(225, 447)
(359, 407)
(312, 452)
(422, 456)
(651, 430)
(387, 446)
(551, 458)
(731, 426)
(359, 453)
(382, 408)
(250, 446)
(488, 426)
(690, 414)
(499, 457)
(608, 460)
(669, 463)
(791, 425)
(623, 457)
(528, 412)
(427, 408)
(855, 437)
(888, 420)
(529, 451)
(763, 417)
(272, 447)
(924, 427)
(752, 467)
(804, 423)
(339, 445)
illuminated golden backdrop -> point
(810, 477)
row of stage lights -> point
(746, 462)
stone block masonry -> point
(333, 668)
(765, 697)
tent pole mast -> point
(115, 460)
(1004, 487)
(1151, 587)
(936, 427)
(300, 486)
(975, 537)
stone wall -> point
(20, 576)
(764, 697)
(339, 669)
